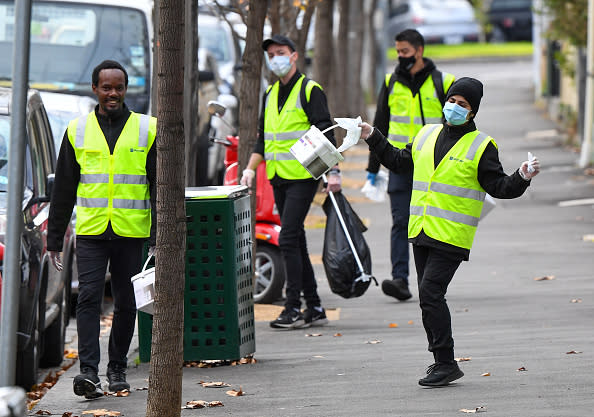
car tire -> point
(269, 269)
(53, 337)
(27, 363)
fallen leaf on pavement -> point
(486, 374)
(141, 389)
(373, 342)
(102, 413)
(214, 384)
(192, 405)
(480, 409)
(337, 335)
(215, 404)
(44, 413)
(576, 300)
(67, 414)
(545, 278)
(411, 322)
(573, 352)
(313, 335)
(522, 369)
(393, 325)
(71, 353)
(463, 359)
(234, 393)
(318, 356)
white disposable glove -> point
(529, 168)
(353, 131)
(56, 260)
(334, 182)
(247, 178)
(376, 190)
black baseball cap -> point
(279, 40)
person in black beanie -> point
(455, 166)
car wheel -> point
(27, 362)
(53, 337)
(270, 274)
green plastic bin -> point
(218, 297)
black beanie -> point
(469, 88)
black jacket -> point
(490, 173)
(68, 176)
(316, 110)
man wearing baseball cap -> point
(454, 166)
(289, 107)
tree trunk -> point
(165, 380)
(191, 88)
(355, 98)
(323, 63)
(339, 97)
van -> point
(70, 37)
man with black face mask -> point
(411, 97)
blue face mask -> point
(280, 65)
(455, 114)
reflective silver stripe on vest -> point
(269, 156)
(420, 186)
(129, 179)
(458, 191)
(475, 145)
(398, 138)
(432, 120)
(399, 119)
(423, 138)
(143, 133)
(79, 140)
(285, 135)
(92, 202)
(131, 204)
(453, 216)
(298, 103)
(445, 214)
(94, 178)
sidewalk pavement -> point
(516, 331)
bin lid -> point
(216, 192)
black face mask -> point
(406, 62)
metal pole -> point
(16, 164)
(587, 153)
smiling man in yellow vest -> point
(411, 97)
(290, 106)
(454, 166)
(107, 166)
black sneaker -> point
(440, 374)
(396, 288)
(116, 376)
(313, 317)
(87, 384)
(289, 319)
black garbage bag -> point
(341, 268)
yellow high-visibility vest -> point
(113, 188)
(282, 129)
(447, 201)
(405, 111)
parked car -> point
(511, 20)
(70, 37)
(439, 21)
(44, 292)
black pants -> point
(293, 200)
(125, 260)
(435, 270)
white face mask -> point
(280, 65)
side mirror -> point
(216, 108)
(49, 186)
(206, 76)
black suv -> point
(44, 292)
(511, 20)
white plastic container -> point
(315, 152)
(144, 289)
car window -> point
(69, 39)
(214, 38)
(4, 138)
(37, 160)
(511, 4)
